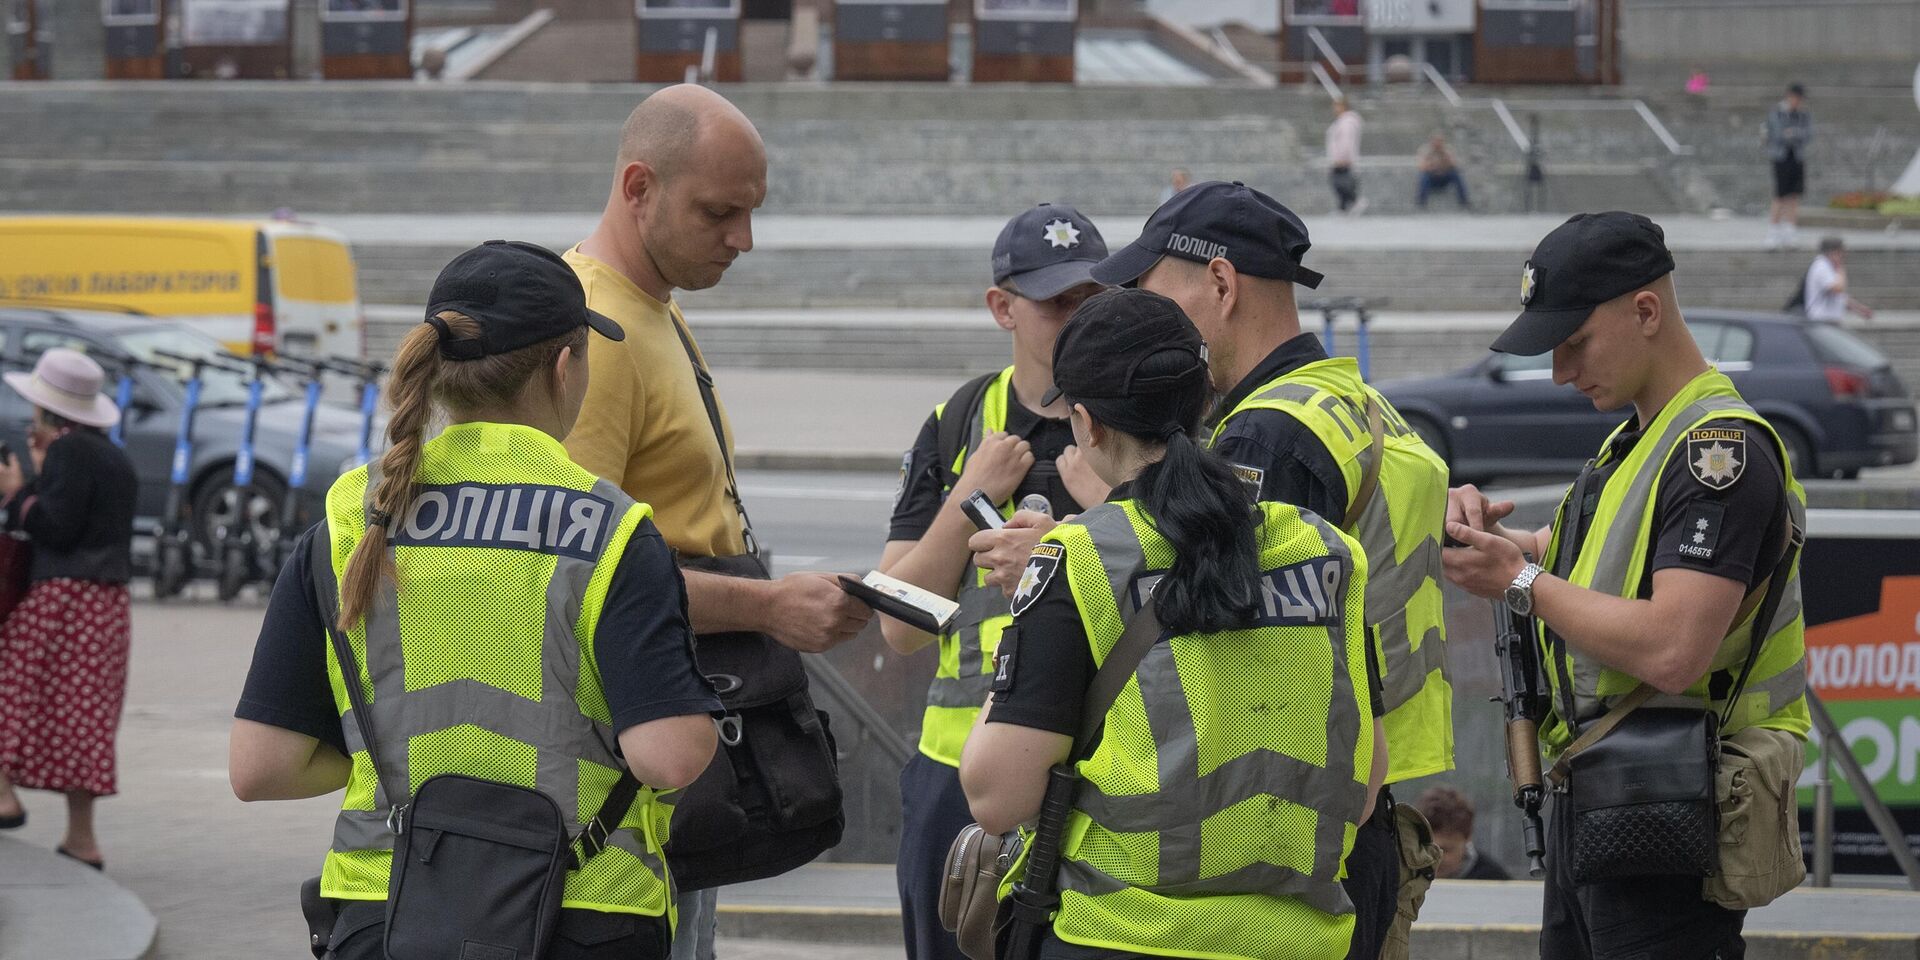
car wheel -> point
(1430, 434)
(217, 506)
(1799, 450)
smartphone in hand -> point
(981, 511)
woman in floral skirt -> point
(63, 649)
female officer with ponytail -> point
(511, 618)
(1213, 817)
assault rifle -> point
(1523, 694)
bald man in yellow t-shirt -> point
(691, 172)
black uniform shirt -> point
(923, 477)
(1050, 661)
(1290, 462)
(642, 643)
(1724, 517)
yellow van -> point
(256, 285)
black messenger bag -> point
(478, 866)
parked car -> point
(154, 417)
(1834, 399)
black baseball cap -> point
(520, 293)
(1252, 231)
(1583, 263)
(1100, 349)
(1047, 250)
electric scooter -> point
(369, 373)
(173, 547)
(235, 537)
(292, 515)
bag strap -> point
(704, 378)
(593, 836)
(1765, 597)
(965, 402)
(1370, 478)
(1122, 662)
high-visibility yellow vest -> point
(1215, 817)
(1401, 529)
(1612, 558)
(965, 673)
(480, 659)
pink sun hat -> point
(67, 382)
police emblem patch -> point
(1039, 571)
(1717, 456)
(1253, 477)
(1062, 234)
(906, 470)
(1526, 283)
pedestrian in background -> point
(1450, 814)
(1180, 180)
(63, 650)
(1343, 152)
(1824, 290)
(1438, 171)
(1789, 131)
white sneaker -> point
(1775, 239)
(1359, 207)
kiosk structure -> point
(1028, 41)
(678, 34)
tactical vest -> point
(481, 662)
(1401, 528)
(1215, 816)
(1611, 557)
(964, 675)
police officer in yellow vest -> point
(516, 618)
(1214, 817)
(995, 434)
(1647, 573)
(1300, 427)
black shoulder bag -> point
(1026, 916)
(770, 800)
(478, 866)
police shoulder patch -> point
(906, 470)
(1040, 569)
(1253, 477)
(1717, 456)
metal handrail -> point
(1513, 126)
(1319, 72)
(872, 724)
(1440, 83)
(1833, 747)
(1326, 50)
(709, 54)
(1660, 129)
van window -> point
(1835, 345)
(313, 269)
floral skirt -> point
(63, 680)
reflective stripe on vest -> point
(1612, 556)
(962, 678)
(1400, 528)
(451, 679)
(1238, 803)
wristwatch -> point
(1520, 591)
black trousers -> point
(583, 935)
(933, 810)
(1646, 918)
(1346, 187)
(1373, 881)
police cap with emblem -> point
(519, 293)
(1247, 228)
(1046, 251)
(1583, 263)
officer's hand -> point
(1077, 473)
(811, 614)
(1003, 553)
(1467, 505)
(997, 467)
(1486, 566)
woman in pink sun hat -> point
(63, 649)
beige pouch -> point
(1759, 819)
(1419, 855)
(970, 887)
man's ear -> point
(1223, 284)
(1648, 313)
(637, 185)
(1000, 304)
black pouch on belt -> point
(1643, 798)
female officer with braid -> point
(1213, 817)
(512, 618)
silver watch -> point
(1520, 591)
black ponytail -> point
(1201, 507)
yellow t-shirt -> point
(644, 425)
